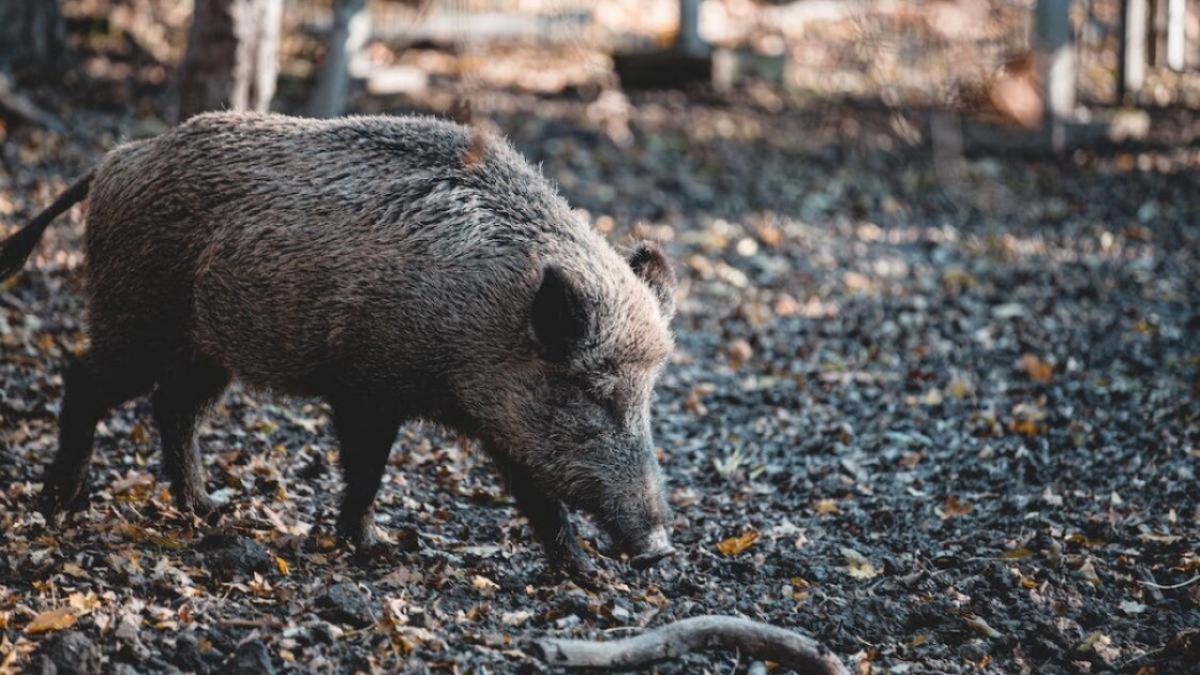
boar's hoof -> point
(375, 553)
(650, 558)
(56, 498)
(199, 505)
(368, 548)
(576, 566)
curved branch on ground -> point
(755, 640)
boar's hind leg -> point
(366, 431)
(551, 524)
(92, 385)
(179, 402)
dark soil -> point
(955, 400)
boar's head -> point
(575, 414)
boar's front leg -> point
(366, 429)
(179, 402)
(551, 524)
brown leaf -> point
(1037, 369)
(51, 620)
(735, 545)
(740, 352)
(858, 566)
(954, 507)
(1028, 420)
(826, 506)
(980, 626)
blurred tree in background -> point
(231, 60)
(32, 36)
(350, 31)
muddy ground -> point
(940, 413)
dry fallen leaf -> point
(1088, 571)
(959, 388)
(1101, 645)
(517, 618)
(483, 583)
(1037, 369)
(858, 566)
(735, 545)
(282, 566)
(980, 626)
(83, 603)
(74, 570)
(826, 506)
(1024, 427)
(1028, 420)
(50, 620)
(954, 507)
(740, 352)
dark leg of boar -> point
(179, 402)
(550, 523)
(92, 385)
(366, 430)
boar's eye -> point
(576, 396)
(557, 318)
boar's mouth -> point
(655, 547)
(641, 534)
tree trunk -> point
(1131, 68)
(32, 36)
(689, 41)
(232, 56)
(351, 29)
(1176, 32)
(1055, 61)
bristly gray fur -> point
(361, 259)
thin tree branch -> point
(757, 640)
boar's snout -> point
(655, 547)
(640, 525)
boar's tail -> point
(16, 249)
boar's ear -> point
(651, 266)
(557, 318)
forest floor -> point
(939, 413)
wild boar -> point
(397, 267)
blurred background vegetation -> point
(980, 58)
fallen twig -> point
(1155, 584)
(269, 623)
(1151, 584)
(757, 640)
